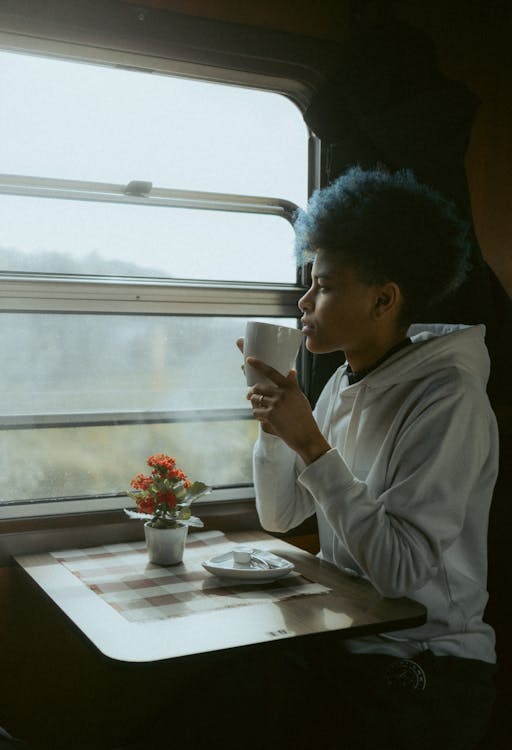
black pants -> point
(300, 696)
(428, 703)
(10, 743)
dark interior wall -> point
(327, 19)
(472, 43)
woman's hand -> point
(282, 406)
(265, 426)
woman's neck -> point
(363, 363)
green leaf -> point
(196, 490)
(194, 521)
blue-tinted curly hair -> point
(389, 227)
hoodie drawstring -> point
(349, 447)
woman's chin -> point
(312, 346)
(315, 346)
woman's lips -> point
(307, 329)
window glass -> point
(89, 461)
(40, 234)
(78, 121)
(59, 364)
(69, 367)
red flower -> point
(141, 482)
(165, 467)
(155, 494)
(146, 504)
(179, 476)
(169, 498)
(162, 464)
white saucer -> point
(224, 566)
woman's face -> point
(338, 309)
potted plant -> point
(164, 498)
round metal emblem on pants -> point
(406, 674)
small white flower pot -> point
(165, 546)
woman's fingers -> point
(260, 389)
(268, 371)
(240, 344)
(260, 401)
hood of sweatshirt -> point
(458, 346)
(434, 347)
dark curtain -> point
(386, 103)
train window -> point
(130, 239)
(75, 121)
(145, 217)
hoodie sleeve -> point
(444, 459)
(281, 501)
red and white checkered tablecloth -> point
(123, 577)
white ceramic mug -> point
(275, 345)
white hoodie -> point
(402, 498)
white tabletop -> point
(316, 598)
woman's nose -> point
(305, 301)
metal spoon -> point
(246, 556)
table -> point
(136, 612)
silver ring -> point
(260, 400)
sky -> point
(72, 120)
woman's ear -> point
(388, 300)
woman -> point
(398, 461)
